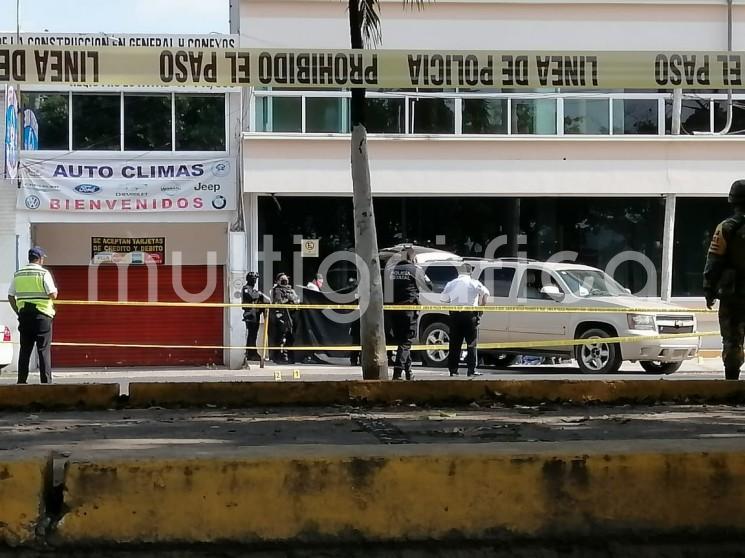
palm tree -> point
(364, 27)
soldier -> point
(283, 330)
(252, 316)
(724, 279)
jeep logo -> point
(201, 187)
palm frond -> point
(369, 11)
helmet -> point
(737, 193)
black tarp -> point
(314, 328)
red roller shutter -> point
(137, 324)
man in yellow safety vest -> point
(31, 296)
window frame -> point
(121, 92)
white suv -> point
(529, 283)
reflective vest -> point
(30, 289)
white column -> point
(668, 243)
(235, 334)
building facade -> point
(146, 177)
(595, 172)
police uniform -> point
(252, 316)
(32, 289)
(404, 276)
(281, 321)
(724, 279)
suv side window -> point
(440, 275)
(498, 280)
(533, 281)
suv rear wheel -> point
(599, 357)
(654, 367)
(437, 333)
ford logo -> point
(87, 189)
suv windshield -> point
(586, 282)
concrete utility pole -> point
(372, 335)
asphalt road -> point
(697, 369)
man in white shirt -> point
(464, 291)
(316, 283)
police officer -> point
(406, 278)
(724, 279)
(252, 316)
(282, 328)
(31, 296)
(464, 291)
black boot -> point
(732, 374)
(396, 373)
(408, 373)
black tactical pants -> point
(732, 326)
(35, 329)
(252, 333)
(403, 324)
(463, 326)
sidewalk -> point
(708, 368)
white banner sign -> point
(139, 186)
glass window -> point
(326, 114)
(385, 116)
(147, 122)
(597, 230)
(96, 122)
(433, 116)
(635, 116)
(534, 116)
(279, 114)
(533, 280)
(440, 275)
(50, 111)
(200, 122)
(695, 221)
(738, 117)
(498, 280)
(484, 116)
(586, 116)
(694, 116)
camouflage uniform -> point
(724, 279)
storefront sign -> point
(310, 247)
(139, 186)
(188, 63)
(11, 133)
(128, 250)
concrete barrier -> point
(434, 392)
(59, 396)
(22, 482)
(409, 493)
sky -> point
(116, 16)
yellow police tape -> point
(394, 307)
(549, 343)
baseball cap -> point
(37, 252)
